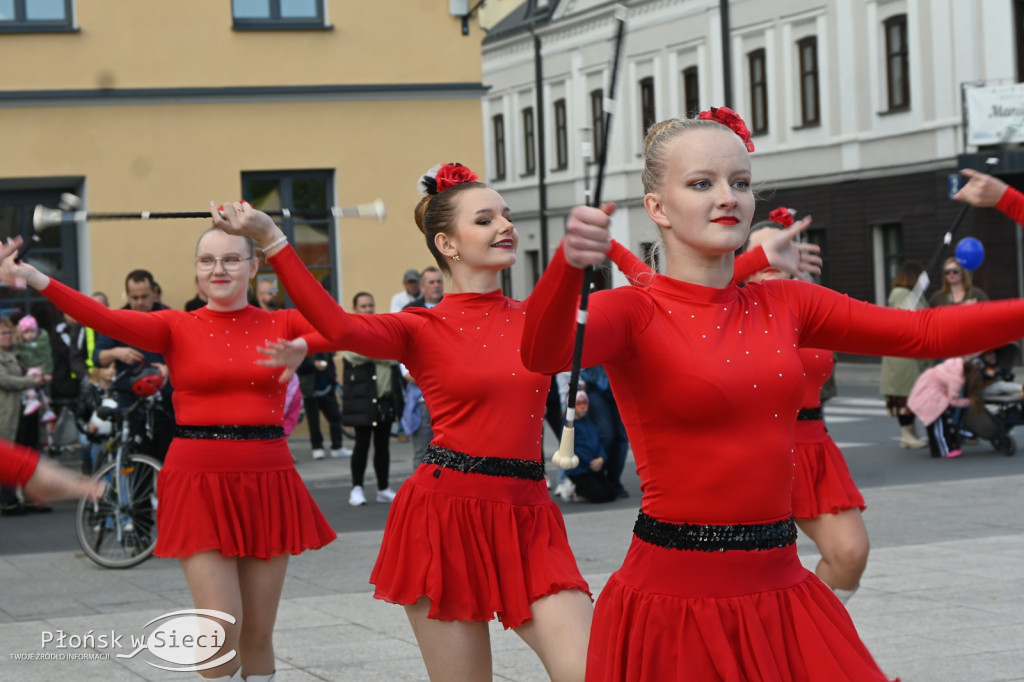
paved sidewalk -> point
(942, 599)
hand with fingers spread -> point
(240, 218)
(587, 239)
(784, 252)
(981, 189)
(285, 353)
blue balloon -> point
(970, 253)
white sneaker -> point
(385, 495)
(566, 490)
(341, 452)
(318, 453)
(31, 407)
(356, 498)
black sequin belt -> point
(489, 466)
(267, 432)
(809, 414)
(710, 538)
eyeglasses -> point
(230, 263)
(951, 271)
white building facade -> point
(856, 108)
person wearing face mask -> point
(232, 507)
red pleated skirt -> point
(821, 480)
(477, 546)
(673, 615)
(243, 498)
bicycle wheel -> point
(119, 529)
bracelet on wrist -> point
(274, 244)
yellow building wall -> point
(158, 156)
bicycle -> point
(118, 530)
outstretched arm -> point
(42, 479)
(148, 331)
(838, 322)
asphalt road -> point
(856, 419)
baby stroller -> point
(1003, 404)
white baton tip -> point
(581, 317)
(621, 12)
(144, 215)
(992, 160)
(80, 216)
(286, 213)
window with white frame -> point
(897, 62)
(597, 120)
(691, 92)
(529, 143)
(498, 128)
(758, 74)
(561, 136)
(31, 16)
(648, 113)
(277, 14)
(807, 49)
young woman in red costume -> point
(473, 532)
(711, 587)
(232, 507)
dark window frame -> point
(561, 135)
(810, 92)
(898, 56)
(500, 161)
(22, 24)
(648, 105)
(56, 252)
(691, 91)
(320, 217)
(757, 65)
(529, 142)
(275, 22)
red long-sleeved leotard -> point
(463, 353)
(211, 356)
(709, 381)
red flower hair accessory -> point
(731, 120)
(446, 176)
(783, 216)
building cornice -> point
(241, 94)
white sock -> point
(844, 595)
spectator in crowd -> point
(12, 382)
(411, 282)
(126, 358)
(431, 289)
(373, 401)
(318, 379)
